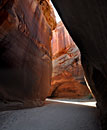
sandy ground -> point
(52, 116)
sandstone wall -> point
(25, 53)
(67, 76)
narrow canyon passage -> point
(39, 60)
(52, 116)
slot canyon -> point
(39, 59)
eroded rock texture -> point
(25, 53)
(67, 76)
(86, 22)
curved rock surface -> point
(86, 22)
(67, 76)
(25, 53)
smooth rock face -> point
(67, 76)
(86, 22)
(25, 53)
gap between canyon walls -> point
(67, 73)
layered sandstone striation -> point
(67, 76)
(25, 53)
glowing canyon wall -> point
(67, 75)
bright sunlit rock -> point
(91, 103)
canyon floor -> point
(53, 116)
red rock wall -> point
(61, 39)
(67, 75)
(25, 53)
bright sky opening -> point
(58, 19)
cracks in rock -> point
(24, 29)
(22, 25)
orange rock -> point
(67, 76)
(65, 85)
(25, 51)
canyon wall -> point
(67, 75)
(25, 51)
(86, 22)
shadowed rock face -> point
(25, 53)
(86, 22)
(67, 75)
